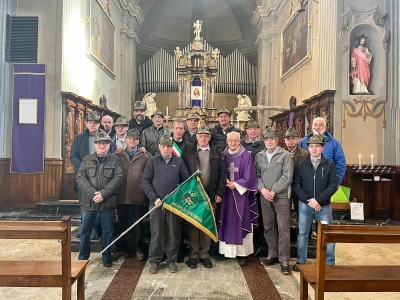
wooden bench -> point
(59, 273)
(350, 278)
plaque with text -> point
(28, 111)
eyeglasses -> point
(102, 144)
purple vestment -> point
(237, 212)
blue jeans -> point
(306, 215)
(88, 222)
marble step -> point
(61, 207)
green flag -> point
(191, 202)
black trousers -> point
(137, 211)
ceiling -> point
(169, 23)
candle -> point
(372, 161)
(167, 110)
(359, 161)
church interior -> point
(281, 58)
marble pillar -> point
(5, 88)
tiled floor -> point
(188, 284)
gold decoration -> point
(88, 19)
(309, 23)
(309, 55)
(365, 110)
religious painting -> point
(295, 42)
(101, 34)
(196, 95)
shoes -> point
(242, 261)
(285, 268)
(140, 255)
(95, 235)
(154, 268)
(296, 267)
(117, 254)
(172, 267)
(192, 263)
(220, 257)
(107, 263)
(206, 262)
(269, 261)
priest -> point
(238, 211)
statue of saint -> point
(244, 101)
(360, 70)
(197, 29)
(151, 105)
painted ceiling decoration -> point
(169, 23)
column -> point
(327, 19)
(5, 93)
(265, 20)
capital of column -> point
(131, 17)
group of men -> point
(145, 161)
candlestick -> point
(359, 161)
(372, 161)
(167, 110)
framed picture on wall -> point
(296, 41)
(101, 38)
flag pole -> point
(122, 234)
(137, 222)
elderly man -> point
(82, 146)
(208, 159)
(107, 124)
(118, 143)
(238, 211)
(298, 154)
(162, 175)
(150, 136)
(140, 121)
(192, 122)
(332, 149)
(252, 142)
(275, 171)
(99, 177)
(221, 129)
(131, 197)
(315, 181)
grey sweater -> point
(276, 175)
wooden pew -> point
(345, 278)
(58, 273)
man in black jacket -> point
(208, 159)
(162, 175)
(107, 124)
(220, 130)
(82, 146)
(252, 141)
(192, 122)
(314, 182)
(140, 121)
(99, 177)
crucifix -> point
(260, 108)
(232, 171)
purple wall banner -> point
(27, 153)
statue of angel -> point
(244, 101)
(178, 53)
(197, 29)
(151, 104)
(215, 53)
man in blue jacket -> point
(162, 175)
(332, 149)
(314, 182)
